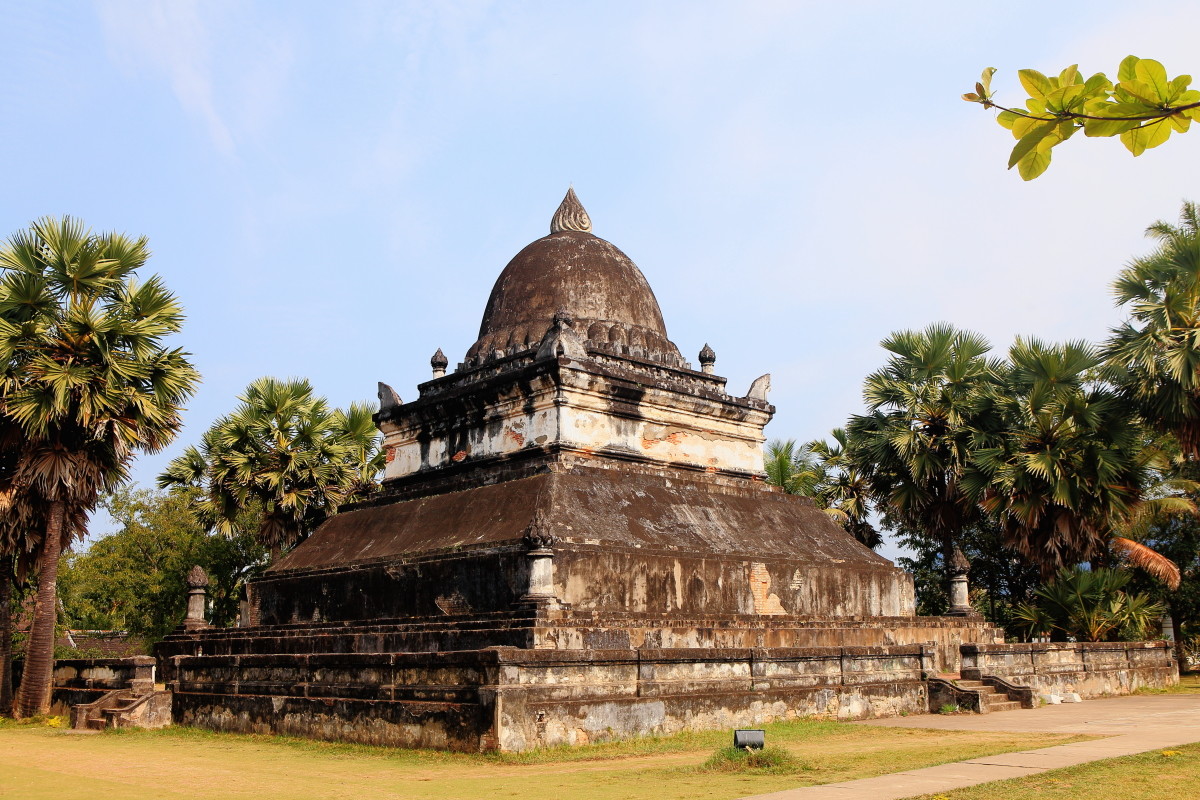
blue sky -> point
(332, 188)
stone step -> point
(97, 723)
(1007, 705)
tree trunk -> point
(1177, 630)
(6, 587)
(947, 577)
(34, 696)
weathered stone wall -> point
(617, 406)
(1092, 669)
(571, 629)
(398, 699)
(570, 698)
(515, 699)
(626, 542)
(587, 578)
(636, 581)
(84, 680)
(474, 580)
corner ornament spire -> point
(571, 215)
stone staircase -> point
(981, 694)
(990, 697)
(141, 705)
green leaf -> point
(1029, 141)
(1037, 84)
(1142, 92)
(1152, 134)
(1179, 85)
(1069, 76)
(1127, 111)
(1179, 122)
(1023, 125)
(1127, 70)
(1154, 74)
(1108, 127)
(1098, 84)
(1007, 119)
(1062, 98)
(1033, 164)
(986, 79)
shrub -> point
(1091, 606)
(768, 761)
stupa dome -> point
(573, 271)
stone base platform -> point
(542, 677)
(513, 699)
(566, 629)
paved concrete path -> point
(1133, 725)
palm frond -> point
(1153, 562)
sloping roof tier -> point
(603, 507)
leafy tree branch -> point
(1143, 108)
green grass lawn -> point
(1158, 775)
(43, 763)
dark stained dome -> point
(572, 270)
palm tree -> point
(285, 454)
(86, 380)
(814, 470)
(844, 489)
(1070, 464)
(1155, 356)
(791, 468)
(364, 459)
(913, 445)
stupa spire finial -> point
(571, 215)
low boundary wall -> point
(1092, 669)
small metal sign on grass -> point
(749, 739)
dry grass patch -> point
(38, 763)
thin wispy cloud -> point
(169, 37)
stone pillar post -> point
(439, 362)
(197, 582)
(540, 541)
(960, 595)
(1168, 627)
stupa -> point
(574, 542)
